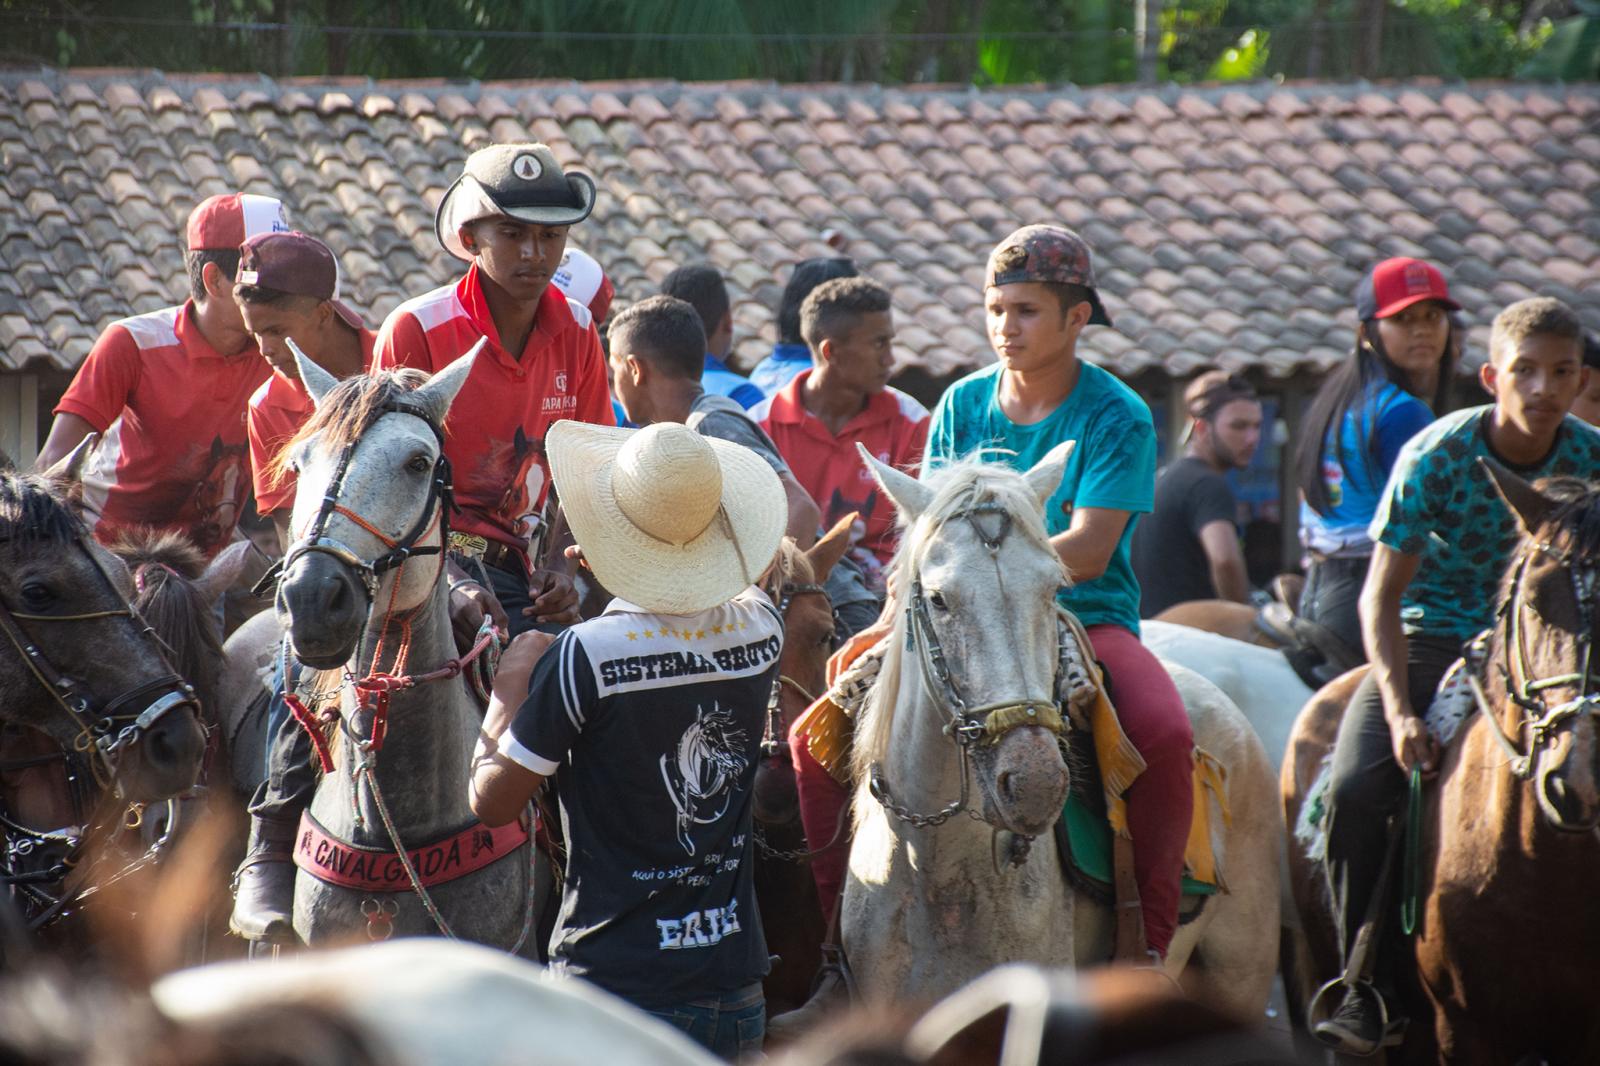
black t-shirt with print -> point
(652, 724)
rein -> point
(1538, 719)
(966, 725)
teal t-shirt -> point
(1440, 505)
(1113, 466)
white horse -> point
(361, 597)
(927, 907)
(1258, 680)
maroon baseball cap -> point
(296, 264)
(1396, 284)
(222, 223)
(1052, 254)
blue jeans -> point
(731, 1026)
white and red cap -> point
(222, 223)
(581, 278)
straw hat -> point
(670, 520)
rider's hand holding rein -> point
(1387, 580)
(470, 603)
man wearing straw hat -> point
(652, 715)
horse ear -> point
(909, 495)
(318, 382)
(1526, 502)
(67, 471)
(223, 571)
(1045, 476)
(825, 554)
(441, 389)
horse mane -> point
(957, 486)
(792, 567)
(347, 410)
(166, 567)
(31, 509)
(1576, 515)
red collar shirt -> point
(173, 452)
(277, 411)
(495, 433)
(893, 426)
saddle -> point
(1317, 653)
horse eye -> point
(37, 596)
(419, 464)
(826, 640)
(937, 599)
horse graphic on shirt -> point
(701, 770)
(216, 497)
(518, 465)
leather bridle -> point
(968, 726)
(1538, 719)
(370, 572)
(773, 739)
(104, 732)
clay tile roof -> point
(1230, 225)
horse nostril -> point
(160, 751)
(338, 599)
(1004, 782)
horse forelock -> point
(346, 411)
(160, 548)
(958, 486)
(31, 510)
(1575, 521)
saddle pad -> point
(1088, 834)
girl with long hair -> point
(1396, 381)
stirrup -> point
(1394, 1029)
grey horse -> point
(340, 613)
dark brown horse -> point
(80, 673)
(1504, 949)
(791, 917)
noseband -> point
(370, 572)
(966, 725)
(1538, 719)
(104, 732)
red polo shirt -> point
(170, 409)
(495, 433)
(893, 426)
(277, 411)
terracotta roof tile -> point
(1229, 224)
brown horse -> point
(1508, 851)
(792, 918)
(174, 593)
(1237, 620)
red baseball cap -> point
(296, 264)
(1396, 284)
(222, 223)
(583, 280)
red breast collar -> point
(335, 862)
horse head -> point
(1549, 614)
(373, 489)
(77, 662)
(808, 640)
(977, 580)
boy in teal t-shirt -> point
(1039, 295)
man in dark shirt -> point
(1188, 547)
(650, 716)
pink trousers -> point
(1160, 803)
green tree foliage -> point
(985, 42)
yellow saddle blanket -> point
(828, 727)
